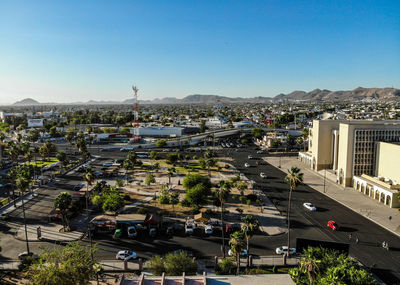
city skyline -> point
(69, 52)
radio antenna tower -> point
(136, 122)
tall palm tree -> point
(222, 194)
(249, 228)
(294, 178)
(22, 184)
(305, 133)
(170, 173)
(237, 244)
(90, 179)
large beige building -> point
(357, 148)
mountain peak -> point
(27, 101)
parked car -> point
(246, 165)
(132, 232)
(208, 229)
(243, 253)
(309, 206)
(107, 164)
(118, 233)
(263, 175)
(189, 228)
(284, 249)
(153, 232)
(78, 187)
(126, 255)
(250, 156)
(259, 152)
(333, 225)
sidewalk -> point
(51, 232)
(349, 197)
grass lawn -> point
(41, 163)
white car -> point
(243, 253)
(246, 165)
(283, 250)
(189, 228)
(125, 255)
(208, 229)
(259, 151)
(250, 157)
(263, 175)
(309, 206)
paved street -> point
(313, 224)
(304, 223)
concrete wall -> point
(388, 161)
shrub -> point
(226, 267)
(156, 265)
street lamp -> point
(325, 177)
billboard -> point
(35, 123)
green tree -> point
(173, 264)
(172, 158)
(325, 266)
(149, 179)
(305, 133)
(62, 157)
(63, 203)
(257, 133)
(197, 195)
(250, 228)
(293, 178)
(203, 126)
(161, 143)
(242, 186)
(192, 180)
(156, 265)
(22, 184)
(154, 155)
(237, 245)
(90, 178)
(170, 173)
(113, 202)
(222, 194)
(69, 265)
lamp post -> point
(325, 177)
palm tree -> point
(170, 173)
(222, 194)
(305, 134)
(309, 264)
(22, 184)
(237, 244)
(294, 178)
(250, 227)
(62, 203)
(89, 178)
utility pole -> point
(325, 177)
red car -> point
(333, 225)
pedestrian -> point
(390, 218)
(350, 236)
(357, 240)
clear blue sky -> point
(64, 51)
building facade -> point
(356, 149)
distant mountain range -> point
(317, 95)
(27, 101)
